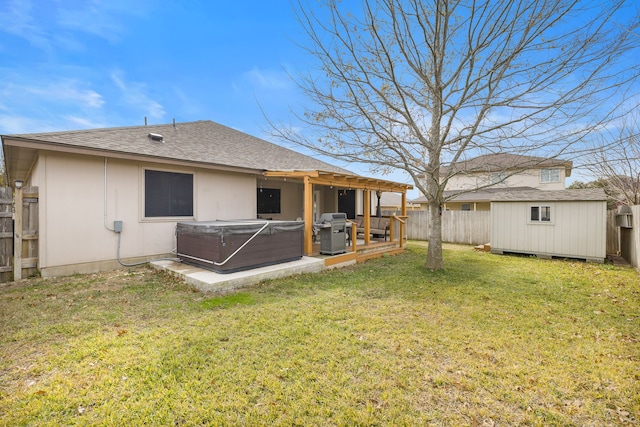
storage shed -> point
(561, 224)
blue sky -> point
(71, 64)
(100, 63)
(67, 64)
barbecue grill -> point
(332, 229)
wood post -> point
(17, 235)
(367, 216)
(404, 216)
(308, 216)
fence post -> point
(17, 233)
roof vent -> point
(156, 137)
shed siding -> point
(577, 229)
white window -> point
(549, 175)
(540, 214)
(465, 207)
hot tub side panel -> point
(211, 248)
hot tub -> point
(229, 246)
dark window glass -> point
(268, 200)
(545, 212)
(535, 213)
(167, 194)
(541, 213)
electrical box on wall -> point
(117, 226)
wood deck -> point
(363, 253)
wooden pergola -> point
(354, 182)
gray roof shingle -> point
(581, 195)
(199, 142)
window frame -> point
(550, 175)
(277, 192)
(498, 178)
(169, 217)
(540, 216)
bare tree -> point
(416, 85)
(615, 161)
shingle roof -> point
(505, 161)
(200, 141)
(484, 195)
(581, 195)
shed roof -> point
(203, 142)
(581, 195)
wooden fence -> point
(19, 246)
(630, 239)
(6, 234)
(613, 233)
(466, 227)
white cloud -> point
(67, 91)
(52, 25)
(17, 18)
(135, 96)
(82, 123)
(20, 124)
(263, 79)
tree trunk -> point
(435, 260)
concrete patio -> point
(212, 282)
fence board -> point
(6, 234)
(613, 233)
(630, 239)
(29, 233)
(30, 244)
(465, 227)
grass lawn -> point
(493, 340)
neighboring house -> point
(389, 203)
(145, 179)
(477, 180)
(562, 223)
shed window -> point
(549, 175)
(465, 207)
(167, 194)
(541, 213)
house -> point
(561, 223)
(114, 195)
(473, 183)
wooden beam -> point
(403, 211)
(291, 174)
(367, 216)
(341, 180)
(308, 216)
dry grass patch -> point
(492, 340)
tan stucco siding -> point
(528, 178)
(291, 198)
(72, 207)
(576, 229)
